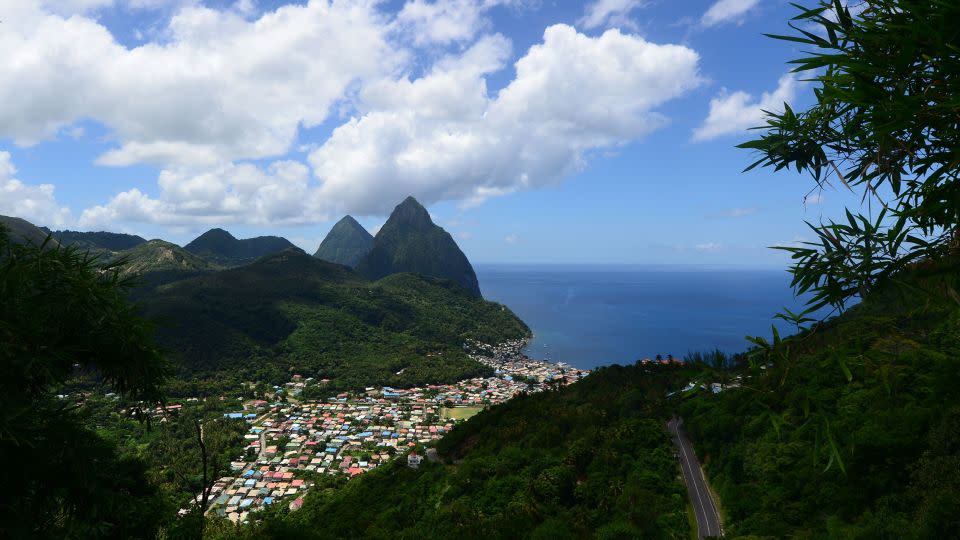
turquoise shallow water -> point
(595, 315)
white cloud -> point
(739, 212)
(736, 112)
(609, 13)
(441, 21)
(222, 88)
(430, 22)
(708, 246)
(814, 198)
(220, 92)
(512, 239)
(237, 193)
(724, 11)
(443, 137)
(34, 203)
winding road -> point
(708, 518)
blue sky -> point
(534, 131)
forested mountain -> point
(346, 243)
(410, 242)
(592, 460)
(97, 242)
(220, 247)
(22, 231)
(161, 256)
(292, 312)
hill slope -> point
(853, 431)
(292, 312)
(346, 243)
(98, 242)
(410, 242)
(20, 231)
(158, 256)
(220, 247)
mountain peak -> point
(346, 243)
(223, 248)
(216, 234)
(410, 242)
(412, 212)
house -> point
(413, 460)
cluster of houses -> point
(351, 433)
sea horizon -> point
(590, 315)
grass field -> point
(460, 413)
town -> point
(350, 433)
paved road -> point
(708, 519)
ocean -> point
(589, 316)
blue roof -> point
(332, 450)
(268, 500)
(250, 482)
(233, 415)
(245, 503)
(248, 474)
(365, 434)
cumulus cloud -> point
(441, 21)
(222, 88)
(35, 203)
(444, 137)
(609, 13)
(236, 193)
(218, 105)
(725, 11)
(736, 112)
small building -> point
(413, 460)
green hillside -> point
(853, 431)
(592, 460)
(293, 313)
(346, 243)
(162, 256)
(21, 231)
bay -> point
(590, 316)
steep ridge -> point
(100, 241)
(346, 243)
(222, 248)
(410, 242)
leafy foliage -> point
(884, 125)
(61, 315)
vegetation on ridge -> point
(292, 313)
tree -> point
(885, 126)
(193, 452)
(63, 316)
